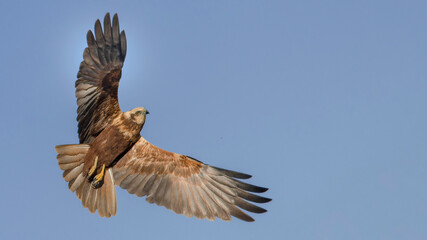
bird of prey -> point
(112, 151)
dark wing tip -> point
(90, 38)
(248, 207)
(116, 21)
(98, 33)
(107, 22)
(258, 189)
(233, 173)
(123, 43)
(252, 197)
(236, 212)
(116, 30)
(98, 25)
(249, 187)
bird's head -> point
(137, 115)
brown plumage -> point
(112, 151)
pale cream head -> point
(137, 115)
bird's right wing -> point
(185, 185)
(98, 78)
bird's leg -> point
(97, 181)
(93, 168)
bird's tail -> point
(71, 160)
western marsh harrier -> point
(112, 151)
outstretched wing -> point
(98, 78)
(185, 185)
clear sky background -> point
(324, 102)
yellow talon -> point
(93, 168)
(100, 176)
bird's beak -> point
(147, 112)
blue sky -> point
(322, 102)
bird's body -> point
(114, 141)
(112, 151)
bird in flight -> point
(112, 151)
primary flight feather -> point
(112, 152)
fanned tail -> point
(71, 160)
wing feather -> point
(140, 191)
(98, 78)
(185, 185)
(108, 37)
(134, 184)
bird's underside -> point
(112, 152)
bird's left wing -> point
(185, 185)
